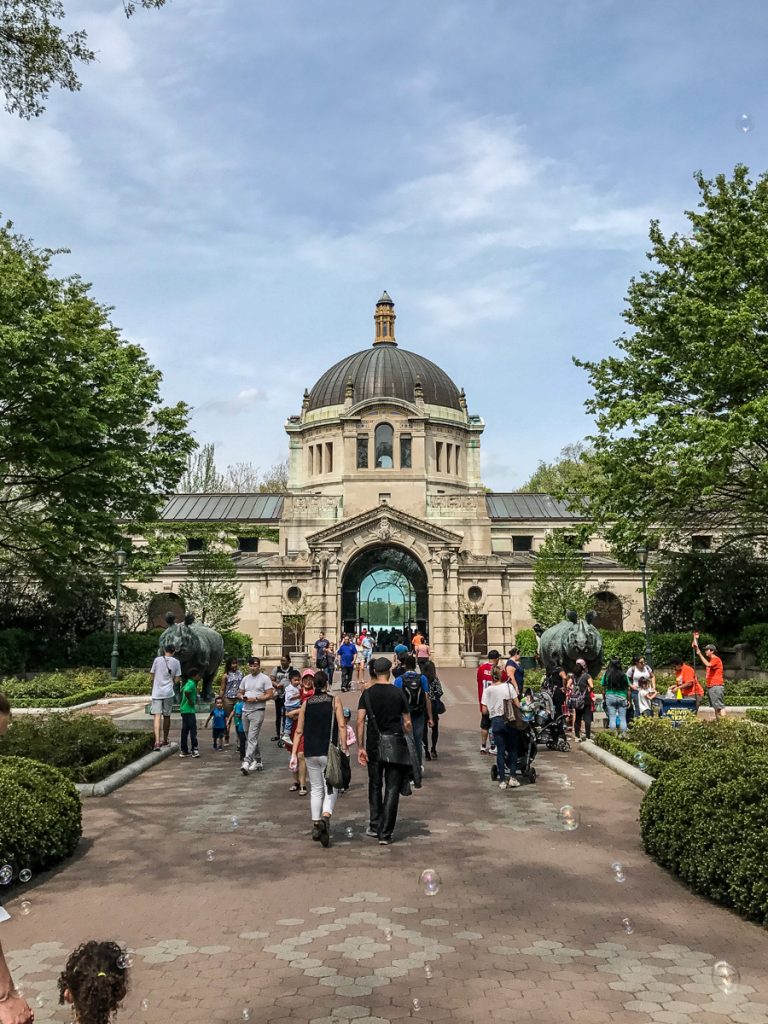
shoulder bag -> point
(334, 776)
(513, 714)
(391, 748)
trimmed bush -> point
(758, 715)
(694, 737)
(237, 645)
(55, 684)
(136, 649)
(63, 741)
(527, 641)
(41, 820)
(14, 650)
(706, 820)
(745, 702)
(757, 637)
(130, 748)
(629, 752)
(132, 684)
(747, 688)
(665, 647)
(72, 701)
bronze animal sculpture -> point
(196, 646)
(571, 639)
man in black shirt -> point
(382, 748)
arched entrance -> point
(610, 614)
(384, 588)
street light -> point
(120, 557)
(642, 557)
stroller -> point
(550, 726)
(527, 745)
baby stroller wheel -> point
(564, 745)
(532, 774)
(494, 773)
(280, 743)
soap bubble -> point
(725, 976)
(430, 881)
(569, 817)
(209, 854)
(566, 783)
(18, 992)
(427, 972)
(125, 960)
(415, 1006)
(246, 1013)
(745, 123)
(144, 1004)
(618, 871)
(25, 907)
(39, 1002)
(349, 832)
(388, 934)
(234, 822)
(628, 925)
(6, 874)
(25, 875)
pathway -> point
(235, 915)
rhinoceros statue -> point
(196, 646)
(571, 639)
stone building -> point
(385, 492)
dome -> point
(384, 371)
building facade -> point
(385, 491)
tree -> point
(36, 53)
(275, 480)
(570, 474)
(202, 476)
(682, 411)
(474, 619)
(85, 445)
(211, 591)
(295, 617)
(718, 592)
(559, 581)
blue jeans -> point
(505, 737)
(188, 732)
(617, 711)
(419, 721)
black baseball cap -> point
(381, 666)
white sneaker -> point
(244, 767)
(502, 785)
(257, 766)
(513, 784)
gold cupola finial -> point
(384, 317)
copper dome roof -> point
(384, 371)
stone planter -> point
(470, 659)
(299, 659)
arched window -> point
(383, 440)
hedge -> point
(527, 642)
(706, 820)
(140, 649)
(41, 821)
(15, 645)
(758, 715)
(630, 753)
(694, 737)
(62, 741)
(625, 645)
(131, 747)
(757, 637)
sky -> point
(240, 180)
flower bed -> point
(83, 748)
(68, 689)
(630, 753)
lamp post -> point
(642, 557)
(120, 557)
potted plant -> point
(294, 625)
(474, 623)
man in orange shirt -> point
(687, 682)
(715, 680)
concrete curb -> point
(126, 774)
(628, 771)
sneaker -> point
(427, 755)
(195, 753)
(325, 833)
(502, 785)
(156, 746)
(384, 842)
(434, 755)
(372, 833)
(273, 739)
(483, 750)
(492, 750)
(182, 754)
(244, 767)
(257, 766)
(513, 784)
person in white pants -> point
(255, 691)
(321, 721)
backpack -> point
(413, 691)
(578, 699)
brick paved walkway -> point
(268, 926)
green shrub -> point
(61, 740)
(526, 641)
(130, 747)
(237, 645)
(757, 638)
(41, 820)
(137, 684)
(665, 647)
(694, 737)
(706, 819)
(56, 684)
(14, 650)
(136, 649)
(746, 702)
(758, 715)
(629, 752)
(75, 700)
(747, 688)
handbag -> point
(391, 748)
(334, 775)
(513, 714)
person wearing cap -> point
(715, 679)
(382, 722)
(583, 698)
(484, 679)
(14, 1009)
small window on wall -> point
(194, 543)
(385, 499)
(457, 449)
(405, 451)
(318, 459)
(439, 456)
(247, 543)
(448, 457)
(329, 456)
(383, 441)
(311, 460)
(522, 543)
(701, 542)
(362, 452)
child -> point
(219, 716)
(188, 709)
(237, 715)
(351, 740)
(93, 983)
(646, 693)
(292, 703)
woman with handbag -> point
(438, 708)
(582, 700)
(322, 727)
(501, 702)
